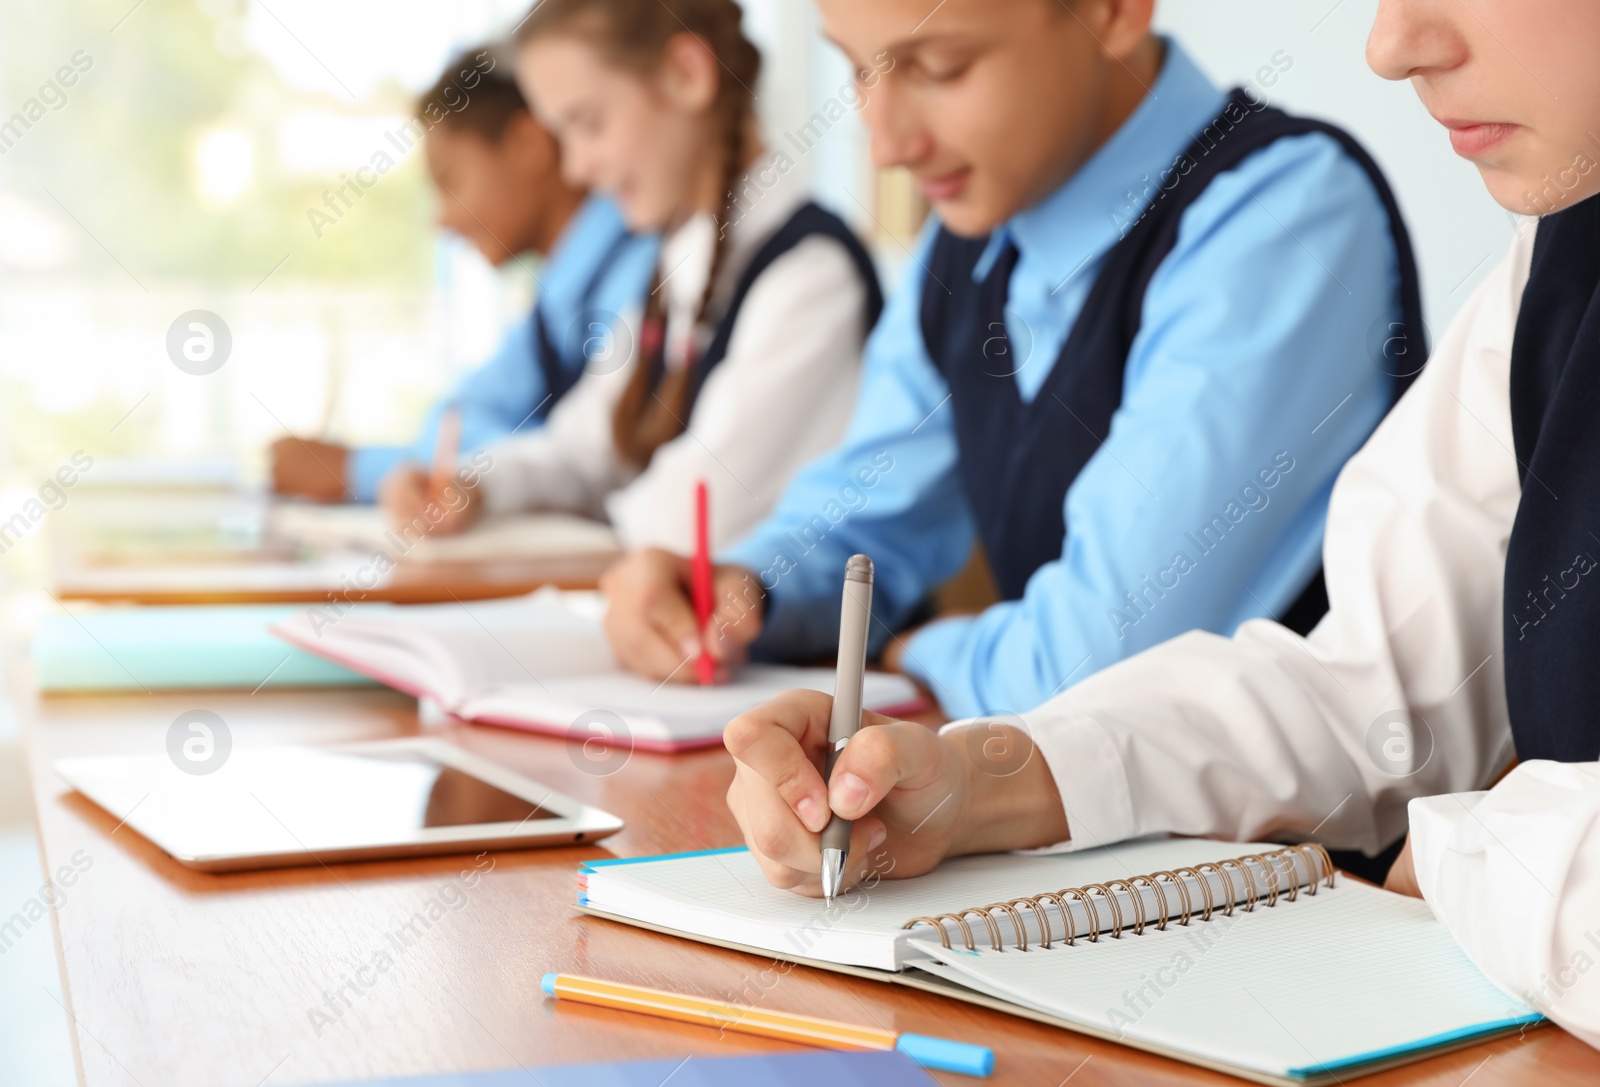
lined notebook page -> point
(723, 895)
(1307, 986)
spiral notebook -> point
(1255, 960)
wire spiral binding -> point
(1319, 867)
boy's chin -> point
(970, 216)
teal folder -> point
(200, 646)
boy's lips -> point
(946, 186)
(1473, 139)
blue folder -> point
(199, 646)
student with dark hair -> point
(497, 172)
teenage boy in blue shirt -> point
(498, 176)
(1129, 355)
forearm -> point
(1010, 797)
(569, 464)
(884, 500)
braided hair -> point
(634, 33)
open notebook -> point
(1250, 959)
(542, 662)
(366, 528)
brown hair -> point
(634, 34)
(477, 92)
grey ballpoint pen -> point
(855, 617)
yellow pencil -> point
(940, 1053)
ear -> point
(690, 74)
(1119, 25)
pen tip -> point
(832, 873)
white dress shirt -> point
(781, 396)
(1396, 698)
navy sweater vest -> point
(1552, 586)
(1018, 459)
(807, 222)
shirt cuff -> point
(1433, 826)
(499, 488)
(936, 654)
(366, 467)
(790, 627)
(1087, 768)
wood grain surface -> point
(321, 974)
(286, 582)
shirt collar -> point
(580, 247)
(1087, 214)
(768, 195)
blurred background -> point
(179, 170)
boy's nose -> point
(1410, 36)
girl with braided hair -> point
(743, 364)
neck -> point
(560, 204)
(1127, 86)
(1130, 84)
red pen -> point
(705, 667)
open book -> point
(1249, 959)
(542, 662)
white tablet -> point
(282, 806)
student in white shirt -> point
(1464, 628)
(745, 362)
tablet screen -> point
(303, 799)
(443, 796)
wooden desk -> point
(230, 547)
(171, 977)
(287, 582)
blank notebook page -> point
(1303, 987)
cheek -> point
(1020, 155)
(473, 194)
(655, 160)
(579, 154)
(1550, 83)
(1005, 159)
(495, 203)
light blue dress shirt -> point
(501, 396)
(1248, 385)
